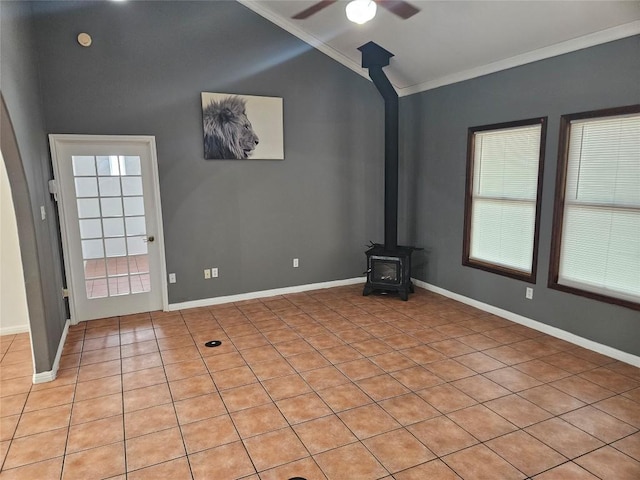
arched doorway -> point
(14, 314)
(42, 353)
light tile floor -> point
(321, 385)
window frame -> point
(467, 261)
(559, 203)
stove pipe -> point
(374, 57)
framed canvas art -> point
(241, 127)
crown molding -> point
(579, 43)
(575, 44)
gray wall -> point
(25, 152)
(144, 73)
(434, 127)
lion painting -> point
(228, 133)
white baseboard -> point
(514, 317)
(50, 375)
(14, 330)
(541, 327)
(206, 302)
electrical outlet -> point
(207, 274)
(529, 293)
(214, 272)
(296, 263)
(172, 278)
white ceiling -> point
(451, 41)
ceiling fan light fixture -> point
(361, 11)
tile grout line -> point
(173, 405)
(124, 413)
(290, 426)
(224, 404)
(329, 328)
(13, 339)
(476, 400)
(73, 406)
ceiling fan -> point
(399, 7)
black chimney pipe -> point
(374, 57)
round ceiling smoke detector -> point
(84, 39)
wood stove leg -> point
(368, 290)
(404, 295)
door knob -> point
(151, 238)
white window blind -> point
(601, 226)
(503, 207)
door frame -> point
(149, 142)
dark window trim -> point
(559, 201)
(466, 248)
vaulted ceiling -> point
(450, 41)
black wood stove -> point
(388, 265)
(389, 270)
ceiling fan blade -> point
(313, 9)
(399, 7)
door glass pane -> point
(133, 206)
(140, 283)
(83, 166)
(135, 226)
(115, 247)
(139, 264)
(112, 224)
(97, 288)
(92, 249)
(113, 227)
(111, 207)
(90, 228)
(130, 165)
(136, 245)
(131, 186)
(109, 186)
(86, 187)
(88, 208)
(94, 268)
(108, 166)
(118, 286)
(117, 266)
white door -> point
(110, 215)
